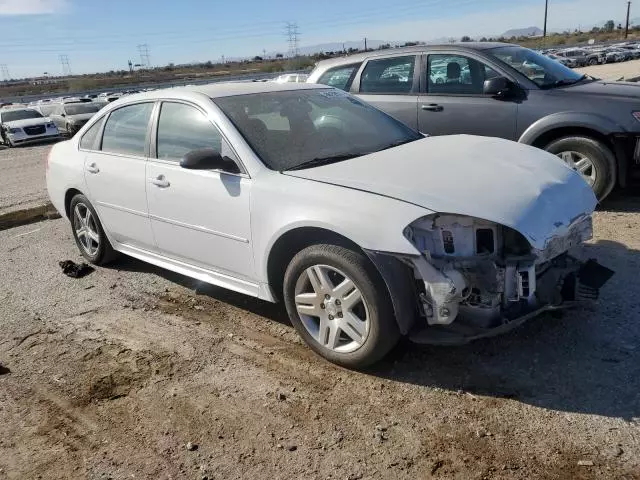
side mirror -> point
(499, 87)
(208, 159)
(63, 114)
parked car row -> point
(595, 54)
(49, 118)
(502, 90)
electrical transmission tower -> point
(144, 55)
(293, 37)
(5, 72)
(66, 68)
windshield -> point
(543, 71)
(291, 129)
(81, 108)
(13, 115)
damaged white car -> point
(364, 228)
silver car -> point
(502, 90)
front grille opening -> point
(447, 240)
(485, 242)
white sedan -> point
(367, 230)
(21, 126)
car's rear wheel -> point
(339, 305)
(590, 158)
(88, 232)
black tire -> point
(600, 155)
(5, 140)
(383, 331)
(105, 252)
(593, 61)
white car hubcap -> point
(581, 164)
(86, 230)
(332, 309)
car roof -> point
(218, 90)
(466, 46)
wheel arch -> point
(290, 243)
(68, 196)
(394, 274)
(596, 127)
(558, 123)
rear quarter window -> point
(339, 77)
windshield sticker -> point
(333, 93)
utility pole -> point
(626, 28)
(130, 66)
(144, 55)
(365, 44)
(5, 72)
(546, 11)
(66, 68)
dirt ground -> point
(22, 177)
(136, 372)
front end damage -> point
(475, 278)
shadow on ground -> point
(627, 201)
(586, 362)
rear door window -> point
(88, 140)
(388, 75)
(339, 77)
(126, 130)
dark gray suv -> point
(502, 90)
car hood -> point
(505, 182)
(81, 117)
(622, 90)
(27, 122)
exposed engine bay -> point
(477, 276)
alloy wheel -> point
(86, 229)
(581, 164)
(332, 308)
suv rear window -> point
(339, 77)
(388, 75)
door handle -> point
(92, 168)
(160, 181)
(432, 107)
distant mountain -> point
(523, 32)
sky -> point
(100, 36)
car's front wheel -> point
(340, 305)
(88, 232)
(590, 158)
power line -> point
(317, 24)
(66, 68)
(5, 72)
(144, 55)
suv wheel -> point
(340, 306)
(88, 232)
(590, 158)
